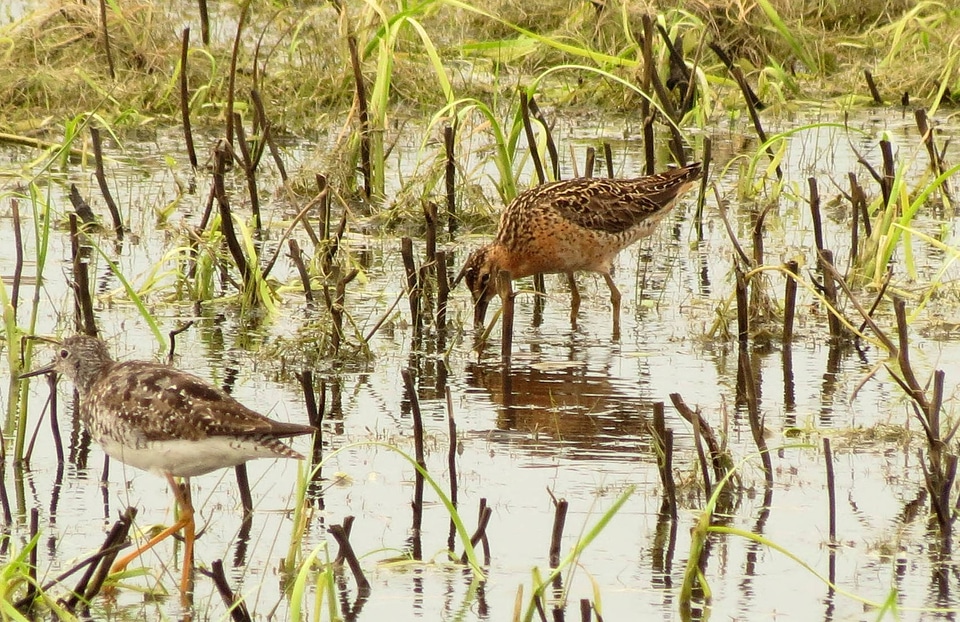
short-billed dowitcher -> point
(570, 226)
(166, 421)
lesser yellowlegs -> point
(166, 421)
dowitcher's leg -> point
(615, 299)
(574, 299)
(185, 522)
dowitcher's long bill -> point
(166, 421)
(570, 226)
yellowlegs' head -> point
(80, 358)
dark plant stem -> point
(296, 256)
(556, 534)
(81, 282)
(338, 533)
(102, 182)
(204, 22)
(365, 164)
(551, 145)
(790, 300)
(531, 138)
(450, 178)
(106, 39)
(872, 86)
(185, 93)
(250, 173)
(222, 155)
(413, 284)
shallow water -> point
(574, 423)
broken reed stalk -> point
(83, 306)
(336, 307)
(81, 207)
(663, 438)
(266, 129)
(590, 163)
(872, 87)
(646, 85)
(666, 102)
(430, 241)
(250, 162)
(296, 256)
(830, 293)
(204, 22)
(480, 535)
(346, 550)
(232, 77)
(556, 535)
(102, 182)
(551, 145)
(450, 178)
(413, 284)
(718, 457)
(223, 155)
(98, 571)
(702, 457)
(347, 529)
(815, 212)
(505, 288)
(926, 134)
(451, 464)
(531, 139)
(743, 311)
(236, 606)
(185, 98)
(106, 39)
(859, 200)
(411, 392)
(887, 176)
(831, 490)
(364, 116)
(753, 102)
(608, 158)
(790, 300)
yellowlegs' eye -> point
(64, 353)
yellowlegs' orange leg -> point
(615, 299)
(185, 523)
(574, 299)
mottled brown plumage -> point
(571, 226)
(166, 421)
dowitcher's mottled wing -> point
(616, 205)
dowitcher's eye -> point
(64, 353)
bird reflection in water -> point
(565, 403)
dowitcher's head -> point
(80, 358)
(480, 273)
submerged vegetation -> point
(423, 118)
